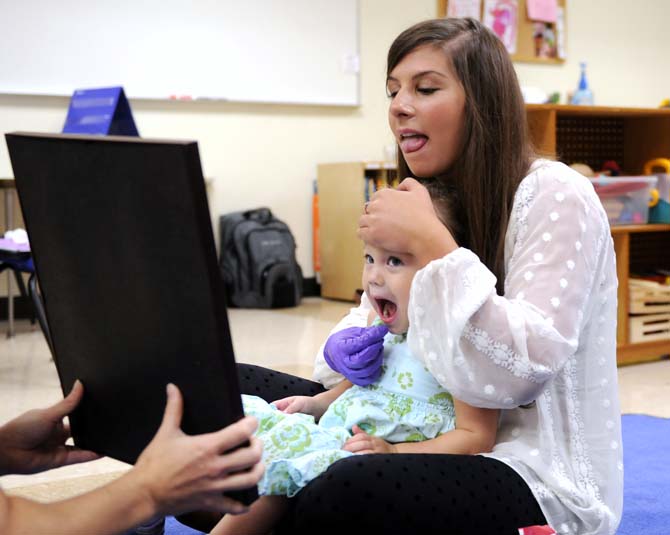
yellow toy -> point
(659, 203)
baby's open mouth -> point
(387, 310)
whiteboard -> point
(280, 51)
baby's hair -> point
(447, 207)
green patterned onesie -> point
(406, 404)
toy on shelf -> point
(625, 198)
(610, 168)
(583, 169)
(659, 204)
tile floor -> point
(283, 339)
(288, 341)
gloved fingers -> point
(366, 379)
(335, 361)
(357, 353)
(365, 357)
(376, 332)
(355, 342)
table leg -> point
(9, 221)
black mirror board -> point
(122, 241)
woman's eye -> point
(391, 94)
(394, 261)
(368, 259)
(426, 90)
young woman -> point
(521, 317)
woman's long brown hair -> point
(496, 152)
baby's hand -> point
(304, 404)
(362, 443)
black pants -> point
(401, 493)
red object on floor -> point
(537, 530)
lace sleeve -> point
(497, 352)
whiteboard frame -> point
(264, 51)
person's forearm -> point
(437, 245)
(114, 508)
(331, 395)
(324, 399)
(457, 441)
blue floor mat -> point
(646, 445)
(173, 527)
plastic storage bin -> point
(625, 198)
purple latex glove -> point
(357, 353)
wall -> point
(267, 154)
(625, 46)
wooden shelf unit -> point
(639, 248)
(631, 137)
(342, 189)
(595, 134)
(585, 134)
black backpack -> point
(257, 259)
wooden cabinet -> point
(590, 135)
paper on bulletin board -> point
(464, 8)
(560, 32)
(542, 10)
(501, 17)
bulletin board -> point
(274, 51)
(533, 39)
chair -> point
(20, 262)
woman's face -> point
(427, 110)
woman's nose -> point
(401, 105)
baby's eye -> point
(369, 259)
(391, 94)
(394, 261)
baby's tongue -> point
(389, 309)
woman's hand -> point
(404, 220)
(361, 442)
(35, 441)
(182, 473)
(357, 353)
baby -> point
(396, 405)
